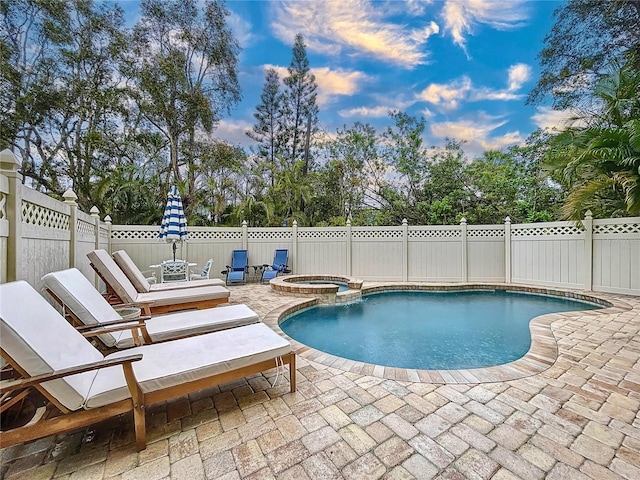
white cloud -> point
(375, 112)
(460, 16)
(476, 133)
(331, 83)
(519, 74)
(353, 27)
(446, 95)
(242, 29)
(234, 132)
(548, 119)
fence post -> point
(9, 165)
(348, 251)
(463, 233)
(245, 235)
(70, 199)
(405, 250)
(107, 220)
(95, 214)
(294, 244)
(588, 250)
(507, 250)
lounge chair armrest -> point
(31, 381)
(139, 321)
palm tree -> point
(600, 163)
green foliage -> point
(600, 163)
(587, 36)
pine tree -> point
(300, 109)
(269, 118)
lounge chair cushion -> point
(81, 298)
(113, 275)
(140, 283)
(269, 274)
(41, 341)
(190, 359)
(127, 292)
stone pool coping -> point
(541, 355)
(289, 283)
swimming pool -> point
(428, 330)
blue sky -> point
(466, 66)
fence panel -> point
(211, 242)
(45, 236)
(434, 254)
(616, 255)
(548, 254)
(321, 250)
(485, 253)
(377, 253)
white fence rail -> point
(39, 235)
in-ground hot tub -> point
(325, 287)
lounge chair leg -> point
(292, 371)
(140, 427)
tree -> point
(586, 37)
(66, 96)
(185, 68)
(405, 152)
(300, 108)
(269, 119)
(600, 162)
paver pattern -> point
(578, 419)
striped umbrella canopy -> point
(174, 223)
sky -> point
(466, 66)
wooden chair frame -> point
(149, 308)
(59, 419)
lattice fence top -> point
(486, 233)
(86, 228)
(382, 234)
(544, 231)
(215, 235)
(134, 235)
(44, 217)
(266, 235)
(620, 228)
(435, 233)
(317, 234)
(3, 206)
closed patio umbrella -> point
(174, 223)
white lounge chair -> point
(121, 290)
(88, 308)
(89, 387)
(137, 278)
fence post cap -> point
(295, 223)
(404, 221)
(507, 220)
(107, 219)
(244, 223)
(95, 211)
(588, 214)
(463, 221)
(70, 197)
(9, 160)
(348, 222)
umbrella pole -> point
(174, 250)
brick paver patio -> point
(578, 419)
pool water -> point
(428, 330)
(342, 287)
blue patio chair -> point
(237, 271)
(280, 260)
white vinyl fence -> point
(39, 235)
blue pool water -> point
(427, 330)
